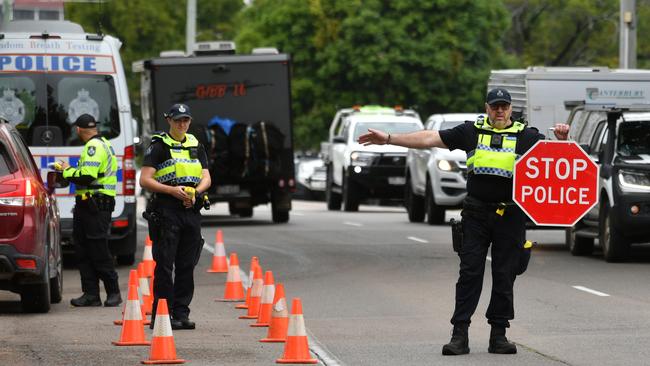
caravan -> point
(51, 72)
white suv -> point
(354, 171)
(436, 178)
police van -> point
(51, 72)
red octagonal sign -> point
(555, 183)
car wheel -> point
(577, 245)
(333, 199)
(35, 298)
(128, 243)
(56, 283)
(280, 217)
(245, 212)
(350, 194)
(615, 247)
(414, 204)
(435, 213)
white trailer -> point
(538, 93)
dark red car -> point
(30, 244)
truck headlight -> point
(448, 165)
(634, 180)
(359, 158)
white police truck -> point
(51, 72)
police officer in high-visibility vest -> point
(95, 178)
(489, 216)
(175, 170)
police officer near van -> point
(489, 216)
(175, 170)
(95, 178)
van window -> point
(634, 138)
(43, 107)
(597, 138)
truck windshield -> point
(44, 106)
(634, 138)
(388, 127)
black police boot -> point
(113, 296)
(459, 344)
(499, 343)
(86, 300)
(182, 324)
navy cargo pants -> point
(482, 226)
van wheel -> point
(615, 246)
(414, 204)
(435, 213)
(350, 194)
(35, 298)
(577, 245)
(333, 199)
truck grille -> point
(392, 160)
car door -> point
(338, 152)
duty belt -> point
(474, 204)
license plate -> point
(228, 189)
(396, 180)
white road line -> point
(593, 292)
(352, 223)
(416, 239)
(488, 258)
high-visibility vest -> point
(184, 167)
(98, 161)
(495, 149)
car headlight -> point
(447, 165)
(359, 158)
(634, 180)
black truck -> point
(241, 113)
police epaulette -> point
(157, 136)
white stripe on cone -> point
(280, 309)
(267, 294)
(221, 251)
(250, 279)
(162, 327)
(144, 286)
(296, 326)
(132, 310)
(147, 254)
(233, 274)
(257, 288)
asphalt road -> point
(376, 290)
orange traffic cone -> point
(266, 303)
(256, 294)
(132, 329)
(219, 263)
(134, 281)
(296, 348)
(234, 288)
(147, 298)
(279, 317)
(254, 262)
(147, 257)
(163, 349)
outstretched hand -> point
(561, 131)
(373, 137)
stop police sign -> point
(555, 183)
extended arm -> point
(418, 139)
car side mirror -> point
(55, 180)
(338, 140)
(586, 148)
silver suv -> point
(436, 178)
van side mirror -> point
(339, 140)
(586, 148)
(55, 180)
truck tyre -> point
(333, 199)
(414, 204)
(350, 194)
(578, 245)
(435, 213)
(126, 244)
(615, 246)
(35, 298)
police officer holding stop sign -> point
(175, 169)
(493, 144)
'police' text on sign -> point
(561, 169)
(95, 64)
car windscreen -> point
(44, 106)
(388, 127)
(450, 124)
(634, 138)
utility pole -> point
(627, 36)
(190, 27)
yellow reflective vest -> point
(98, 161)
(184, 167)
(495, 149)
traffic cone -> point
(147, 257)
(279, 317)
(132, 329)
(256, 294)
(234, 289)
(266, 302)
(296, 348)
(147, 298)
(163, 349)
(254, 262)
(219, 263)
(134, 281)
